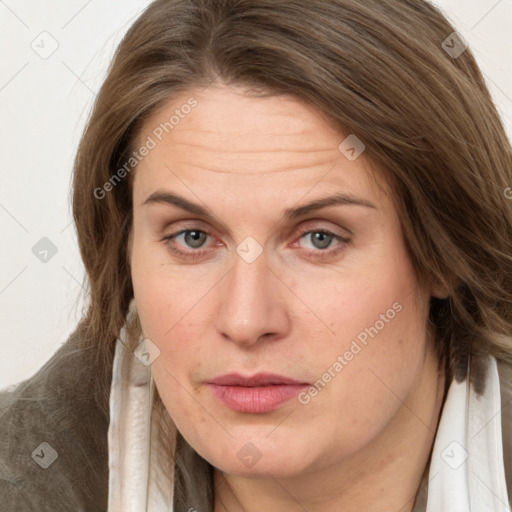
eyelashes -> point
(200, 236)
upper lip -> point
(259, 379)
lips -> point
(260, 379)
(260, 393)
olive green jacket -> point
(53, 437)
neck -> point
(385, 476)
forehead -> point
(221, 111)
(223, 136)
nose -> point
(252, 303)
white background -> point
(44, 103)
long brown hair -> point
(378, 69)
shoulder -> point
(53, 442)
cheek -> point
(165, 314)
(174, 317)
(374, 303)
(376, 356)
(379, 379)
(161, 293)
(168, 307)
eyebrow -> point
(162, 197)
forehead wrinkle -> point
(287, 169)
(261, 173)
(202, 161)
(258, 151)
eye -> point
(319, 239)
(322, 242)
(193, 238)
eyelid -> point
(313, 225)
(305, 226)
(331, 232)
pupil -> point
(323, 238)
(195, 237)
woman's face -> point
(256, 279)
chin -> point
(259, 458)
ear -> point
(439, 290)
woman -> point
(295, 225)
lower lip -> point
(256, 399)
